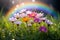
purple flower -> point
(37, 20)
(43, 29)
(48, 21)
(12, 19)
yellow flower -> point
(25, 19)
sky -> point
(7, 4)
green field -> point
(10, 31)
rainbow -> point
(26, 5)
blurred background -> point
(7, 4)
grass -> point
(10, 31)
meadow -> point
(10, 31)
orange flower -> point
(25, 19)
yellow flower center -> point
(33, 14)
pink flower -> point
(33, 14)
(28, 12)
(39, 15)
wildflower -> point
(39, 15)
(33, 14)
(25, 19)
(23, 10)
(12, 19)
(43, 19)
(36, 20)
(43, 29)
(23, 15)
(17, 22)
(28, 12)
(48, 22)
(17, 15)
